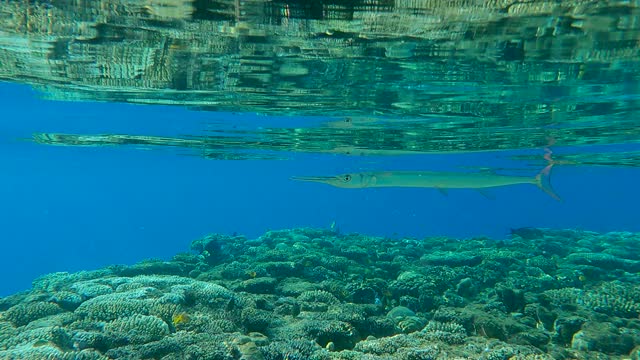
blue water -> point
(77, 208)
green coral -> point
(388, 345)
(7, 332)
(306, 294)
(609, 298)
(23, 314)
(90, 289)
(311, 300)
(111, 307)
(450, 333)
(138, 329)
(67, 300)
(31, 351)
(55, 335)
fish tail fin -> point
(543, 181)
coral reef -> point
(318, 294)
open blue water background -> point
(75, 208)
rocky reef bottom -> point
(318, 294)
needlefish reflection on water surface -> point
(431, 179)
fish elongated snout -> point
(319, 179)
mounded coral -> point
(449, 333)
(319, 294)
(137, 329)
(23, 314)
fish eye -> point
(346, 178)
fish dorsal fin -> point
(486, 194)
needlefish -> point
(439, 180)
